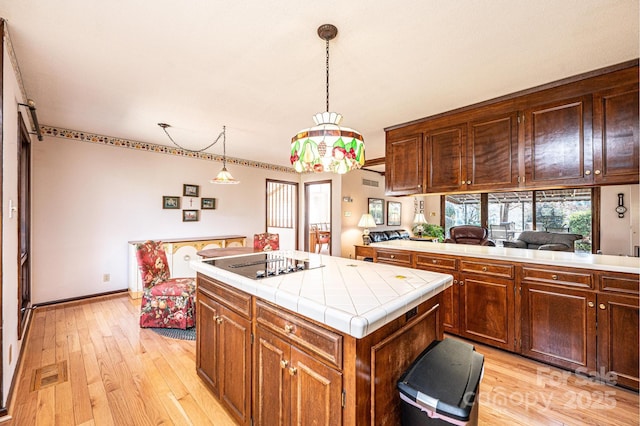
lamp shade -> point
(224, 177)
(327, 147)
(367, 221)
(419, 218)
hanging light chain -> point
(164, 127)
(327, 75)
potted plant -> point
(428, 230)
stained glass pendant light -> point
(327, 147)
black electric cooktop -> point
(264, 265)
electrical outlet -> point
(347, 214)
(432, 214)
(106, 278)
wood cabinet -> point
(393, 257)
(558, 143)
(223, 346)
(581, 131)
(404, 165)
(451, 296)
(615, 136)
(293, 387)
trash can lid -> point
(445, 378)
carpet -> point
(176, 333)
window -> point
(510, 213)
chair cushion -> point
(174, 287)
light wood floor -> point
(119, 374)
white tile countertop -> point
(352, 296)
(598, 262)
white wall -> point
(89, 200)
(618, 236)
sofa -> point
(543, 240)
(469, 234)
(394, 234)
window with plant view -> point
(510, 213)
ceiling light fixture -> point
(223, 177)
(327, 147)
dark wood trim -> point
(81, 299)
(551, 85)
(375, 162)
(595, 219)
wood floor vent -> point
(49, 375)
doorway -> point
(282, 212)
(24, 227)
(318, 229)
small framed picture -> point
(208, 204)
(190, 215)
(394, 210)
(376, 209)
(170, 202)
(190, 190)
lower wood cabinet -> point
(223, 352)
(292, 387)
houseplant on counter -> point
(424, 229)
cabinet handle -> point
(455, 281)
(587, 172)
(468, 182)
(597, 172)
(462, 183)
(602, 306)
(484, 269)
(461, 282)
(554, 277)
(434, 261)
(288, 328)
(393, 256)
(591, 304)
(293, 371)
(284, 363)
(219, 319)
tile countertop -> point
(352, 296)
(598, 262)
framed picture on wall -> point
(208, 204)
(394, 211)
(170, 202)
(376, 209)
(190, 215)
(189, 190)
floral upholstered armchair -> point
(166, 302)
(266, 241)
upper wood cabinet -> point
(581, 131)
(558, 143)
(403, 166)
(615, 135)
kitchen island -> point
(326, 343)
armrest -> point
(554, 247)
(515, 244)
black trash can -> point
(441, 386)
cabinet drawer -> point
(487, 268)
(394, 257)
(304, 334)
(558, 276)
(428, 261)
(619, 283)
(228, 296)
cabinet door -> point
(492, 153)
(316, 391)
(235, 364)
(559, 325)
(558, 143)
(616, 138)
(618, 339)
(207, 341)
(271, 401)
(487, 310)
(445, 159)
(404, 166)
(451, 307)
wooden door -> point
(558, 143)
(492, 153)
(451, 307)
(559, 325)
(207, 341)
(404, 173)
(316, 391)
(618, 339)
(616, 139)
(272, 386)
(234, 356)
(487, 310)
(445, 159)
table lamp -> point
(419, 220)
(366, 222)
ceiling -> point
(117, 68)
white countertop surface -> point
(545, 257)
(352, 296)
